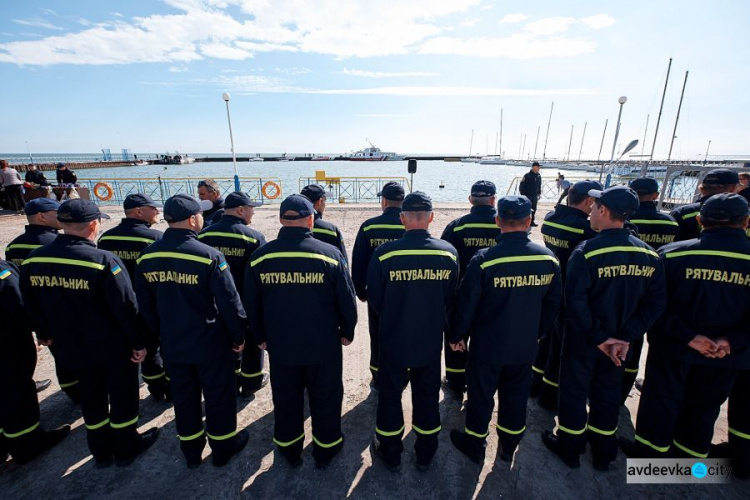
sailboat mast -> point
(644, 135)
(471, 141)
(536, 143)
(523, 149)
(546, 138)
(658, 119)
(501, 133)
(580, 151)
(602, 144)
(677, 120)
(570, 143)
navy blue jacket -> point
(655, 228)
(563, 229)
(236, 241)
(214, 215)
(329, 233)
(17, 347)
(128, 239)
(411, 283)
(33, 237)
(471, 233)
(685, 217)
(186, 294)
(531, 185)
(373, 233)
(81, 297)
(614, 288)
(508, 298)
(708, 293)
(300, 298)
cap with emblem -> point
(181, 206)
(585, 187)
(139, 200)
(721, 176)
(39, 205)
(724, 207)
(314, 192)
(513, 207)
(79, 210)
(619, 199)
(644, 185)
(483, 189)
(296, 203)
(417, 202)
(240, 199)
(392, 191)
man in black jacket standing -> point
(323, 230)
(531, 187)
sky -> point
(412, 76)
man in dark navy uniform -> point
(656, 229)
(514, 275)
(20, 433)
(468, 235)
(127, 240)
(702, 341)
(301, 306)
(373, 233)
(233, 237)
(531, 187)
(41, 230)
(719, 180)
(323, 230)
(411, 283)
(71, 278)
(187, 295)
(614, 291)
(209, 189)
(562, 230)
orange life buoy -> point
(108, 193)
(276, 190)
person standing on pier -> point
(13, 186)
(324, 230)
(531, 187)
(209, 189)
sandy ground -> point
(67, 471)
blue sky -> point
(412, 76)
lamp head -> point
(225, 96)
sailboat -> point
(470, 159)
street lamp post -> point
(226, 98)
(622, 100)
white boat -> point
(321, 158)
(374, 153)
(256, 158)
(470, 159)
(183, 159)
(492, 160)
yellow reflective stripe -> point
(97, 426)
(227, 235)
(59, 260)
(192, 437)
(601, 251)
(251, 375)
(222, 438)
(237, 371)
(571, 431)
(373, 368)
(631, 370)
(69, 384)
(124, 424)
(383, 226)
(548, 381)
(563, 227)
(538, 370)
(712, 253)
(398, 253)
(288, 443)
(428, 432)
(154, 377)
(655, 221)
(21, 433)
(173, 255)
(292, 255)
(508, 431)
(477, 225)
(127, 238)
(739, 434)
(688, 216)
(475, 434)
(689, 451)
(22, 246)
(455, 370)
(329, 445)
(661, 449)
(394, 433)
(599, 431)
(324, 231)
(519, 258)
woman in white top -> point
(13, 186)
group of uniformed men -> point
(198, 305)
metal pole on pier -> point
(546, 138)
(580, 151)
(658, 120)
(677, 120)
(226, 98)
(601, 146)
(29, 150)
(622, 100)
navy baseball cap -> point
(392, 191)
(482, 189)
(513, 207)
(139, 200)
(417, 202)
(181, 206)
(724, 207)
(536, 164)
(721, 176)
(619, 199)
(79, 210)
(240, 199)
(61, 164)
(644, 185)
(314, 192)
(296, 203)
(585, 186)
(39, 205)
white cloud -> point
(550, 25)
(513, 18)
(37, 23)
(178, 69)
(522, 46)
(116, 14)
(598, 21)
(293, 71)
(470, 23)
(384, 74)
(223, 51)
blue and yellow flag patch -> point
(116, 270)
(223, 266)
(4, 274)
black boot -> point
(220, 459)
(324, 456)
(249, 387)
(466, 445)
(37, 443)
(142, 443)
(392, 465)
(551, 442)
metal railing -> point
(681, 184)
(266, 189)
(353, 189)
